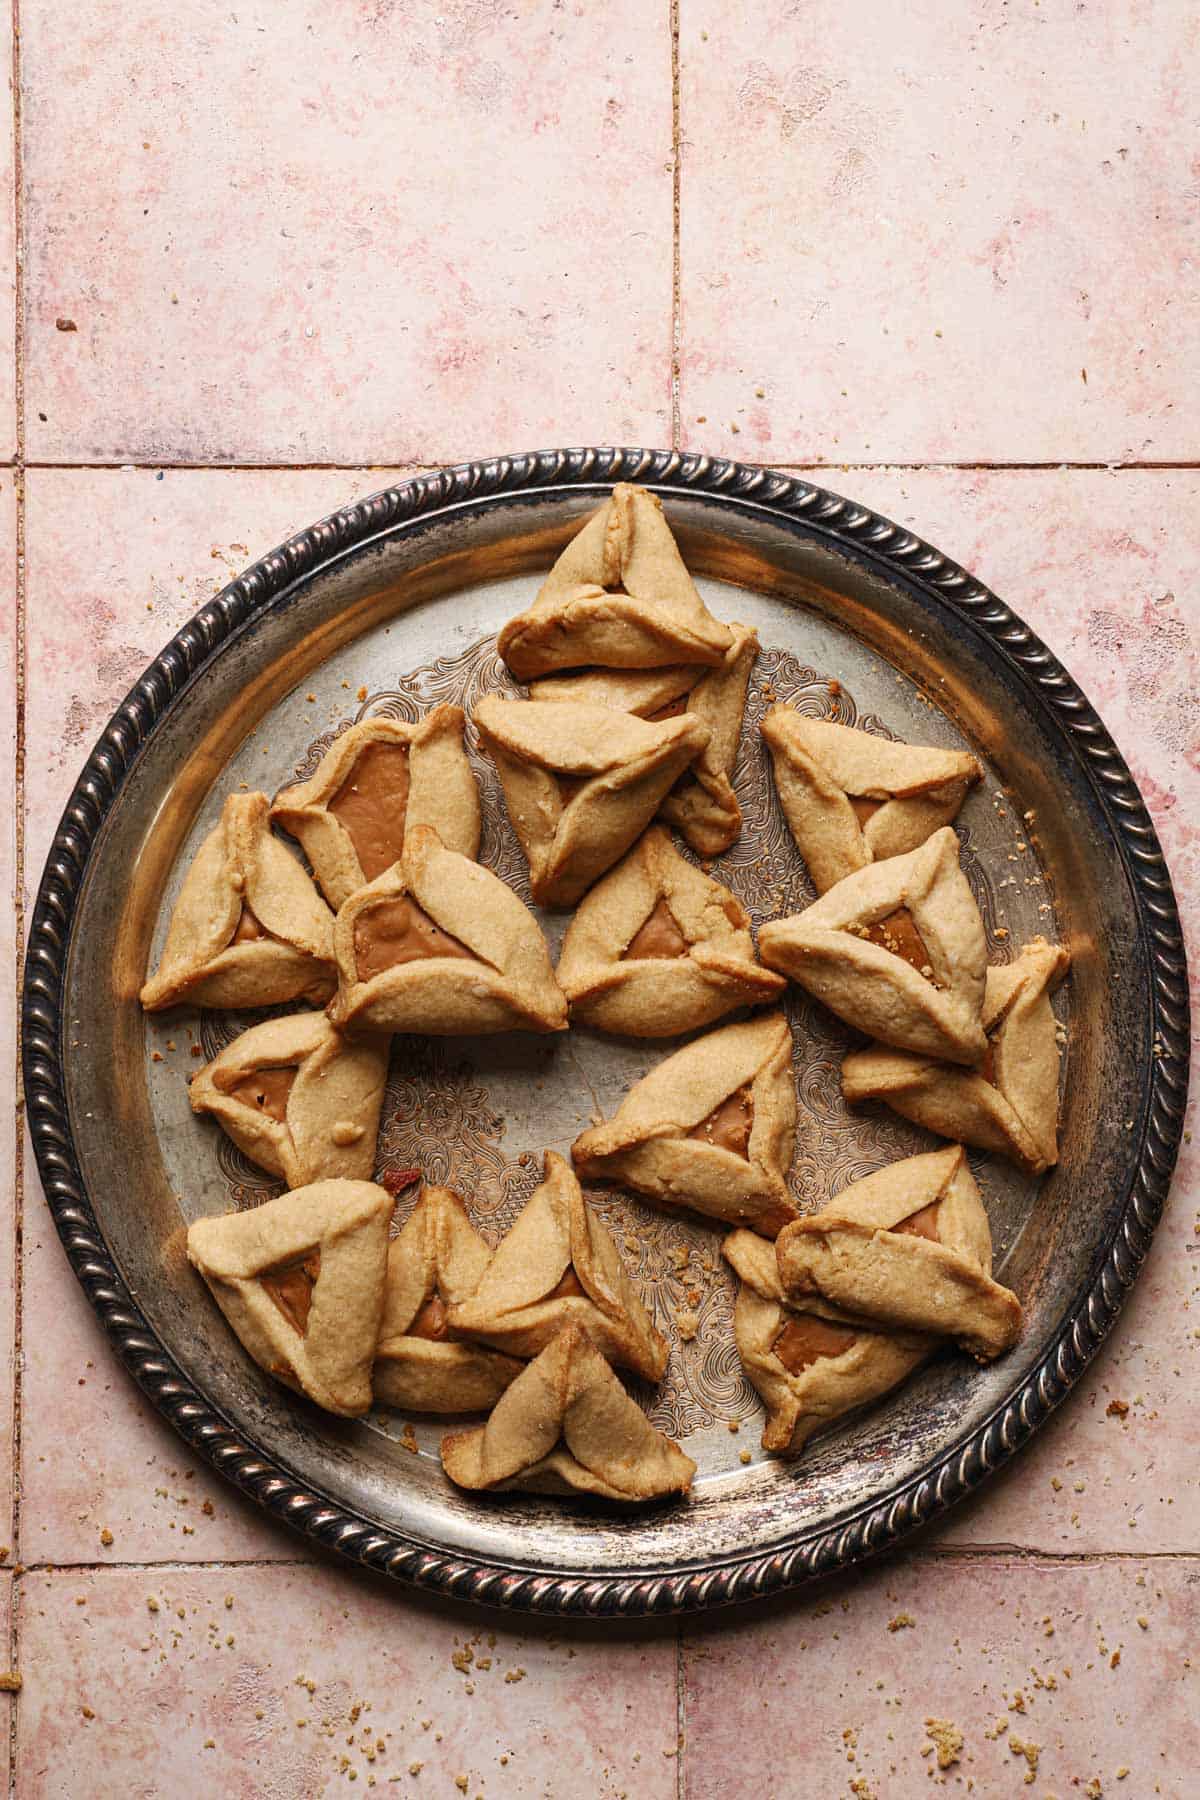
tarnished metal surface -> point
(388, 617)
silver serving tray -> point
(394, 604)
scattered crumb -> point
(408, 1441)
(65, 325)
(1116, 1409)
(947, 1741)
(517, 1674)
(106, 1537)
(1030, 1752)
(744, 1457)
(10, 1681)
(902, 1622)
(687, 1323)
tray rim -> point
(810, 1554)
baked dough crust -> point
(619, 596)
(344, 1225)
(612, 988)
(505, 982)
(567, 1426)
(441, 794)
(241, 865)
(331, 1116)
(1015, 1114)
(826, 950)
(515, 1306)
(702, 805)
(854, 1255)
(650, 1145)
(438, 1255)
(836, 1381)
(821, 768)
(619, 768)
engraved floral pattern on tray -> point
(440, 1124)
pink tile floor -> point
(301, 246)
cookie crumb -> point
(947, 1740)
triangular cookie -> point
(373, 783)
(249, 928)
(438, 944)
(908, 1248)
(657, 948)
(1010, 1103)
(580, 783)
(567, 1426)
(423, 1364)
(298, 1098)
(702, 805)
(896, 950)
(851, 799)
(711, 1128)
(619, 596)
(810, 1363)
(559, 1266)
(300, 1280)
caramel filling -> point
(921, 1224)
(864, 809)
(807, 1339)
(372, 804)
(660, 936)
(291, 1288)
(728, 1125)
(398, 931)
(898, 933)
(570, 1284)
(430, 1322)
(671, 710)
(248, 929)
(266, 1090)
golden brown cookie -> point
(1009, 1104)
(810, 1363)
(580, 783)
(567, 1426)
(910, 1249)
(711, 1128)
(619, 596)
(298, 1098)
(702, 805)
(851, 799)
(438, 944)
(373, 783)
(423, 1364)
(249, 928)
(559, 1266)
(657, 948)
(300, 1281)
(897, 950)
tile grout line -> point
(19, 651)
(676, 276)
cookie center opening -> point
(728, 1125)
(898, 933)
(291, 1288)
(372, 804)
(658, 937)
(248, 929)
(398, 931)
(430, 1322)
(806, 1339)
(266, 1090)
(570, 1284)
(921, 1224)
(568, 786)
(671, 710)
(987, 1067)
(864, 809)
